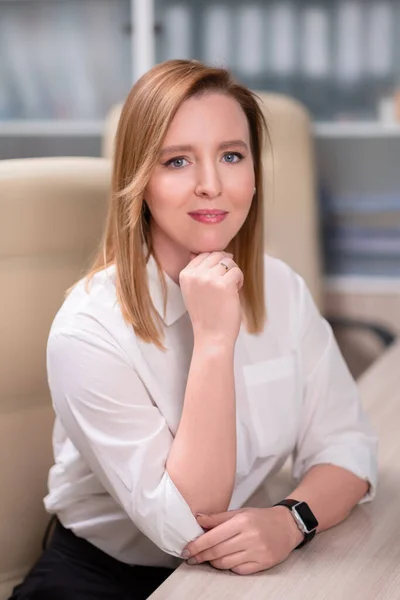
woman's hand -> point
(247, 540)
(211, 295)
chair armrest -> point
(383, 333)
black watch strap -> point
(290, 503)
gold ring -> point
(224, 265)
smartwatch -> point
(304, 517)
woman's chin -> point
(216, 245)
(199, 249)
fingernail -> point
(200, 515)
(192, 561)
(185, 554)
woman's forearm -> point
(331, 492)
(202, 460)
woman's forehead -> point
(213, 115)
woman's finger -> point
(215, 536)
(198, 259)
(247, 568)
(234, 275)
(226, 261)
(213, 259)
(208, 259)
(231, 546)
(230, 561)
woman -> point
(187, 366)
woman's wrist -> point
(212, 345)
(293, 532)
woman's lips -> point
(209, 217)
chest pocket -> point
(272, 400)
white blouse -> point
(118, 402)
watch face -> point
(305, 514)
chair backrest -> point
(291, 217)
(52, 213)
(290, 197)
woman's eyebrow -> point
(231, 143)
(189, 148)
(170, 149)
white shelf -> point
(68, 128)
(356, 129)
(362, 284)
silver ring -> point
(224, 265)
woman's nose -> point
(208, 183)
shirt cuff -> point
(364, 467)
(179, 525)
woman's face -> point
(200, 192)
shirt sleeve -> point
(110, 418)
(334, 428)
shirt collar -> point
(175, 306)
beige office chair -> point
(52, 213)
(290, 195)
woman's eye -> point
(176, 163)
(233, 157)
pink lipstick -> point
(208, 215)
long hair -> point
(145, 118)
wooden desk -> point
(356, 560)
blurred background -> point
(72, 59)
(65, 63)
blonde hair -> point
(145, 119)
